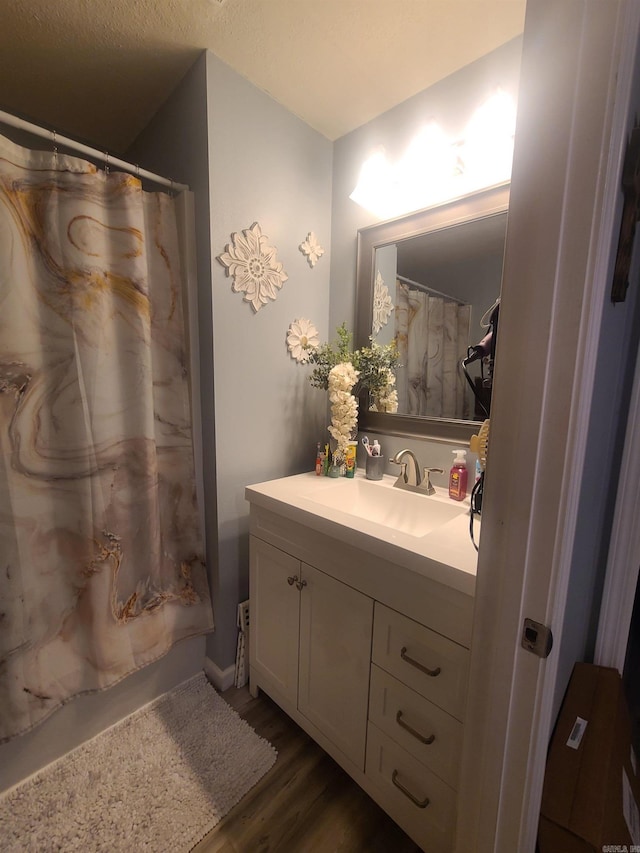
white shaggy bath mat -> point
(158, 781)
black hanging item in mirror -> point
(630, 215)
(478, 444)
(486, 351)
(476, 505)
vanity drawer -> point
(427, 662)
(424, 730)
(421, 803)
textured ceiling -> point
(99, 70)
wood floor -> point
(305, 804)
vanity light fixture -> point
(435, 168)
(486, 150)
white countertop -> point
(445, 554)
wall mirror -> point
(427, 279)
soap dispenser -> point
(458, 476)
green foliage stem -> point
(372, 362)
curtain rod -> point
(427, 289)
(105, 157)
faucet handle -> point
(426, 479)
(402, 476)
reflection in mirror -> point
(429, 282)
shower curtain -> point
(101, 567)
(432, 335)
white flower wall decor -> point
(252, 264)
(311, 248)
(302, 338)
(382, 304)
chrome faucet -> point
(414, 478)
(410, 477)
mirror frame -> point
(477, 205)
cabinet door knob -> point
(292, 579)
(422, 804)
(428, 740)
(300, 584)
(418, 665)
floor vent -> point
(242, 669)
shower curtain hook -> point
(55, 149)
(106, 162)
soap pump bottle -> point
(458, 476)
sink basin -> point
(425, 534)
(406, 512)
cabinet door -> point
(273, 635)
(336, 623)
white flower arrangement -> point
(386, 398)
(344, 407)
(340, 369)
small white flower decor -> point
(344, 408)
(382, 304)
(252, 264)
(311, 248)
(302, 338)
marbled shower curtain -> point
(432, 335)
(100, 553)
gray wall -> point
(265, 165)
(451, 103)
(248, 159)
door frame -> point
(623, 564)
(577, 69)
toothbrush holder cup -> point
(374, 468)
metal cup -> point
(374, 467)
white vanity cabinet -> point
(310, 643)
(416, 707)
(369, 657)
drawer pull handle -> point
(300, 584)
(422, 804)
(420, 666)
(412, 731)
(292, 579)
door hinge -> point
(536, 638)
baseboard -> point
(220, 678)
